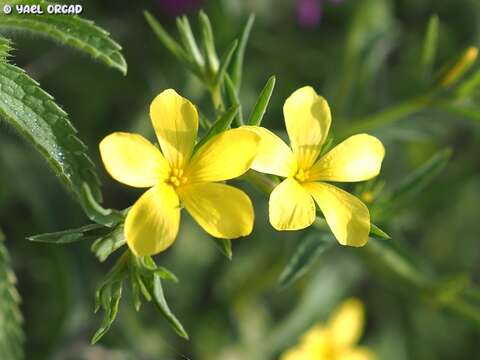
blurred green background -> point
(364, 56)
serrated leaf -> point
(161, 303)
(68, 236)
(5, 48)
(69, 30)
(262, 103)
(110, 300)
(308, 250)
(237, 65)
(223, 123)
(39, 120)
(11, 320)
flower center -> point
(176, 178)
(302, 175)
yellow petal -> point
(226, 156)
(308, 118)
(274, 156)
(356, 159)
(152, 223)
(291, 207)
(298, 353)
(359, 353)
(175, 120)
(133, 160)
(221, 210)
(346, 323)
(346, 215)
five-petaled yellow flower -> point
(178, 178)
(358, 158)
(336, 340)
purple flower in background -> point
(309, 12)
(178, 7)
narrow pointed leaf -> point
(260, 107)
(430, 46)
(69, 30)
(237, 66)
(189, 41)
(161, 303)
(208, 42)
(420, 178)
(5, 48)
(225, 246)
(166, 39)
(375, 231)
(233, 99)
(110, 301)
(310, 248)
(68, 236)
(224, 63)
(222, 124)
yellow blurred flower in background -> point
(337, 339)
(178, 178)
(292, 207)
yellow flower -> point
(177, 178)
(358, 158)
(336, 340)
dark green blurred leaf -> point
(261, 105)
(222, 124)
(468, 86)
(418, 179)
(237, 65)
(225, 246)
(310, 248)
(69, 30)
(11, 320)
(430, 46)
(86, 232)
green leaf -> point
(68, 236)
(11, 320)
(104, 246)
(208, 42)
(224, 63)
(70, 30)
(469, 85)
(375, 231)
(222, 124)
(233, 99)
(308, 250)
(262, 103)
(430, 46)
(225, 246)
(5, 48)
(237, 66)
(418, 180)
(39, 120)
(168, 41)
(189, 41)
(161, 303)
